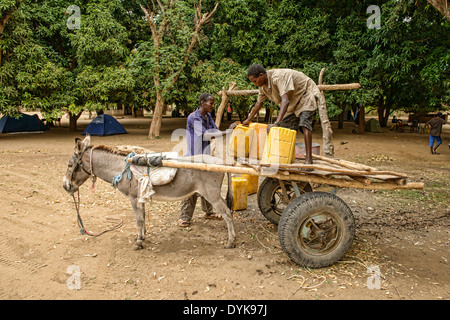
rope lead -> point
(83, 231)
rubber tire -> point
(298, 211)
(265, 196)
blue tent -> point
(104, 125)
(25, 123)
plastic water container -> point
(280, 146)
(252, 183)
(240, 141)
(240, 193)
(258, 141)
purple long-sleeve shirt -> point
(196, 127)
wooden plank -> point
(323, 87)
(340, 171)
(360, 182)
(327, 131)
(223, 104)
(356, 166)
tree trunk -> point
(362, 120)
(158, 32)
(3, 22)
(73, 121)
(155, 127)
(268, 115)
(442, 7)
(383, 112)
(341, 116)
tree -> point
(55, 68)
(30, 77)
(442, 7)
(212, 76)
(100, 49)
(407, 59)
(174, 38)
(112, 58)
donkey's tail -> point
(229, 197)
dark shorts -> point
(304, 121)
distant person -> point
(435, 132)
(229, 112)
(397, 124)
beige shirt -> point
(301, 90)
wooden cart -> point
(315, 229)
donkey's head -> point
(78, 169)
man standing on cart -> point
(297, 96)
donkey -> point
(106, 163)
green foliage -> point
(46, 65)
(212, 76)
(111, 59)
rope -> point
(126, 170)
(83, 231)
(116, 179)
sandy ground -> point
(404, 234)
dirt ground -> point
(403, 234)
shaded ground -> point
(404, 233)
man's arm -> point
(283, 108)
(252, 114)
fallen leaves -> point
(381, 158)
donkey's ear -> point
(87, 140)
(78, 144)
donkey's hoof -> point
(230, 246)
(138, 246)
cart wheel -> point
(271, 201)
(316, 229)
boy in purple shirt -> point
(198, 122)
(201, 128)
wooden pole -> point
(224, 103)
(334, 87)
(219, 114)
(323, 87)
(339, 171)
(358, 183)
(347, 164)
(339, 182)
(327, 132)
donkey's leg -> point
(139, 213)
(220, 205)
